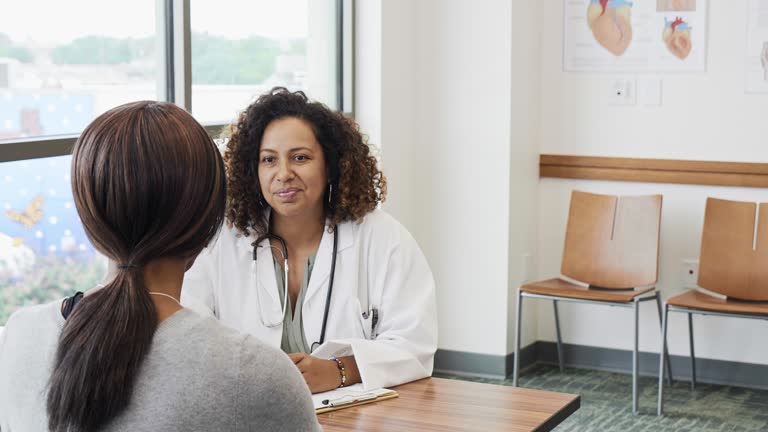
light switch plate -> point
(650, 91)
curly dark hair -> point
(358, 184)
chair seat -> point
(562, 288)
(693, 299)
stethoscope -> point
(284, 252)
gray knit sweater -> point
(198, 376)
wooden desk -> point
(437, 404)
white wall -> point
(525, 122)
(444, 110)
(703, 116)
(463, 137)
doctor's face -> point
(292, 170)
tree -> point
(103, 50)
(11, 50)
(217, 60)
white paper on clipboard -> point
(352, 395)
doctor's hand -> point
(320, 375)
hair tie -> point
(126, 266)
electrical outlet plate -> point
(622, 91)
(689, 273)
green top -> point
(293, 328)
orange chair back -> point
(734, 255)
(612, 242)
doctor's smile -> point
(288, 194)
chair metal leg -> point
(559, 339)
(660, 408)
(635, 359)
(693, 356)
(516, 367)
(666, 350)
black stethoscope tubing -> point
(330, 288)
(330, 282)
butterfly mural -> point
(30, 216)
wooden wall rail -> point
(741, 174)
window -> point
(44, 253)
(57, 74)
(74, 60)
(243, 48)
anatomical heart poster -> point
(756, 55)
(635, 35)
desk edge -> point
(560, 416)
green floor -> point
(606, 400)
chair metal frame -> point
(611, 243)
(634, 304)
(727, 268)
(671, 308)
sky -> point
(60, 21)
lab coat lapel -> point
(322, 268)
(318, 281)
(317, 290)
(313, 310)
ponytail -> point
(101, 349)
(148, 183)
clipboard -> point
(347, 397)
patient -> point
(149, 187)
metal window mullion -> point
(51, 146)
(180, 57)
(164, 20)
(215, 129)
(35, 148)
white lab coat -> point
(378, 265)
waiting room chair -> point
(612, 246)
(733, 262)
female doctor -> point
(308, 262)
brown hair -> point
(358, 185)
(148, 182)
